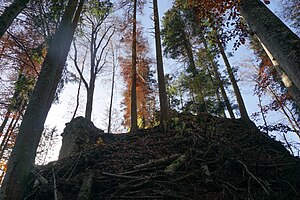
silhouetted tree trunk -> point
(6, 135)
(90, 97)
(211, 77)
(282, 43)
(77, 100)
(4, 122)
(10, 130)
(112, 91)
(218, 79)
(192, 68)
(95, 67)
(133, 120)
(163, 99)
(23, 155)
(239, 98)
(10, 13)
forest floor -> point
(199, 157)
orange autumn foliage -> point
(143, 85)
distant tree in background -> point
(179, 33)
(144, 80)
(94, 35)
(114, 62)
(133, 6)
(177, 45)
(46, 146)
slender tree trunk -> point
(81, 78)
(90, 89)
(217, 92)
(4, 122)
(163, 99)
(10, 13)
(22, 157)
(77, 100)
(112, 92)
(90, 98)
(219, 81)
(282, 43)
(133, 127)
(6, 135)
(10, 131)
(242, 107)
(263, 113)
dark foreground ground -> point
(201, 157)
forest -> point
(177, 81)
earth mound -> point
(198, 157)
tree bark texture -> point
(291, 87)
(22, 158)
(133, 120)
(282, 43)
(163, 99)
(10, 13)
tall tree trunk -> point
(211, 77)
(239, 98)
(112, 91)
(10, 13)
(219, 81)
(282, 43)
(91, 87)
(192, 67)
(163, 99)
(291, 87)
(22, 157)
(133, 120)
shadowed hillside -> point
(199, 157)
